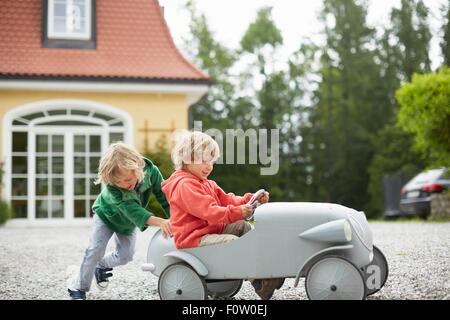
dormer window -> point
(69, 19)
(69, 24)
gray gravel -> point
(33, 264)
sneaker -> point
(265, 288)
(280, 282)
(77, 294)
(101, 277)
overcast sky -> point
(297, 19)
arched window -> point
(52, 152)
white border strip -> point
(193, 91)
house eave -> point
(193, 89)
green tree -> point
(403, 50)
(391, 157)
(217, 60)
(411, 35)
(347, 110)
(425, 111)
(160, 157)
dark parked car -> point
(416, 194)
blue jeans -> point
(95, 253)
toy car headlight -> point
(336, 231)
(347, 231)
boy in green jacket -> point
(129, 181)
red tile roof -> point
(133, 42)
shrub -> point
(425, 111)
(5, 212)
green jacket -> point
(123, 210)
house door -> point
(52, 152)
(65, 165)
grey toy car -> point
(328, 244)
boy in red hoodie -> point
(201, 212)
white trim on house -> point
(194, 92)
(33, 127)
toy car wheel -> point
(376, 273)
(224, 289)
(180, 282)
(335, 278)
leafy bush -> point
(425, 111)
(160, 157)
(5, 212)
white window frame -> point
(52, 34)
(33, 128)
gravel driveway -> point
(33, 263)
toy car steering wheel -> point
(254, 202)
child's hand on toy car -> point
(246, 210)
(165, 228)
(264, 198)
(163, 224)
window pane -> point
(95, 188)
(19, 208)
(79, 208)
(68, 123)
(41, 164)
(114, 137)
(93, 164)
(102, 116)
(57, 112)
(58, 187)
(59, 24)
(60, 9)
(80, 112)
(19, 187)
(80, 145)
(58, 143)
(20, 141)
(58, 208)
(33, 116)
(91, 203)
(94, 144)
(41, 143)
(41, 186)
(79, 164)
(19, 164)
(58, 164)
(42, 208)
(79, 187)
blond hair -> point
(119, 156)
(194, 147)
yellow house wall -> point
(160, 110)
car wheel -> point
(376, 272)
(335, 278)
(224, 289)
(180, 282)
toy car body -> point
(329, 244)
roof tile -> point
(133, 41)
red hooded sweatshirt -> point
(199, 207)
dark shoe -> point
(101, 277)
(264, 288)
(77, 294)
(280, 283)
(257, 284)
